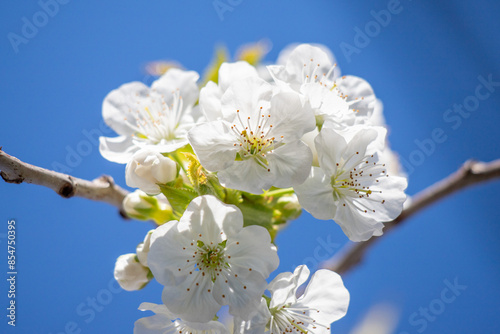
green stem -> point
(279, 192)
(175, 157)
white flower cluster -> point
(232, 158)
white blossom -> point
(310, 70)
(208, 259)
(147, 168)
(157, 117)
(352, 186)
(164, 322)
(324, 301)
(130, 273)
(211, 94)
(256, 144)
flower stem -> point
(279, 192)
(175, 156)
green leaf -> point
(179, 198)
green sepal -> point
(267, 299)
(215, 187)
(179, 198)
(232, 196)
(204, 182)
(222, 244)
(256, 214)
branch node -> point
(468, 167)
(6, 178)
(107, 179)
(68, 189)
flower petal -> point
(290, 164)
(167, 146)
(189, 301)
(358, 146)
(231, 72)
(330, 146)
(118, 149)
(284, 287)
(156, 308)
(162, 323)
(243, 298)
(325, 102)
(306, 59)
(177, 79)
(213, 143)
(210, 97)
(155, 324)
(389, 203)
(247, 96)
(356, 226)
(316, 195)
(246, 175)
(308, 138)
(327, 294)
(130, 273)
(117, 107)
(166, 239)
(358, 89)
(249, 250)
(206, 217)
(257, 324)
(284, 54)
(289, 117)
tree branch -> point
(101, 189)
(105, 190)
(472, 172)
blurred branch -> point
(472, 172)
(101, 189)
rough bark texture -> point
(101, 189)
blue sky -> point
(424, 60)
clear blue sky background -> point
(425, 60)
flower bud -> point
(142, 249)
(130, 273)
(287, 208)
(149, 168)
(141, 206)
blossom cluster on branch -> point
(222, 166)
